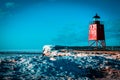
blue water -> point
(12, 54)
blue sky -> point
(30, 24)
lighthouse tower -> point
(96, 33)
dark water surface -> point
(12, 54)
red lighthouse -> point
(96, 33)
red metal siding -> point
(96, 32)
(93, 32)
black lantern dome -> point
(96, 19)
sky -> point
(30, 24)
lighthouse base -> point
(97, 43)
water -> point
(12, 54)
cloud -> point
(10, 4)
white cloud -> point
(9, 4)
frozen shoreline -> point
(63, 67)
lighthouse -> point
(96, 37)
